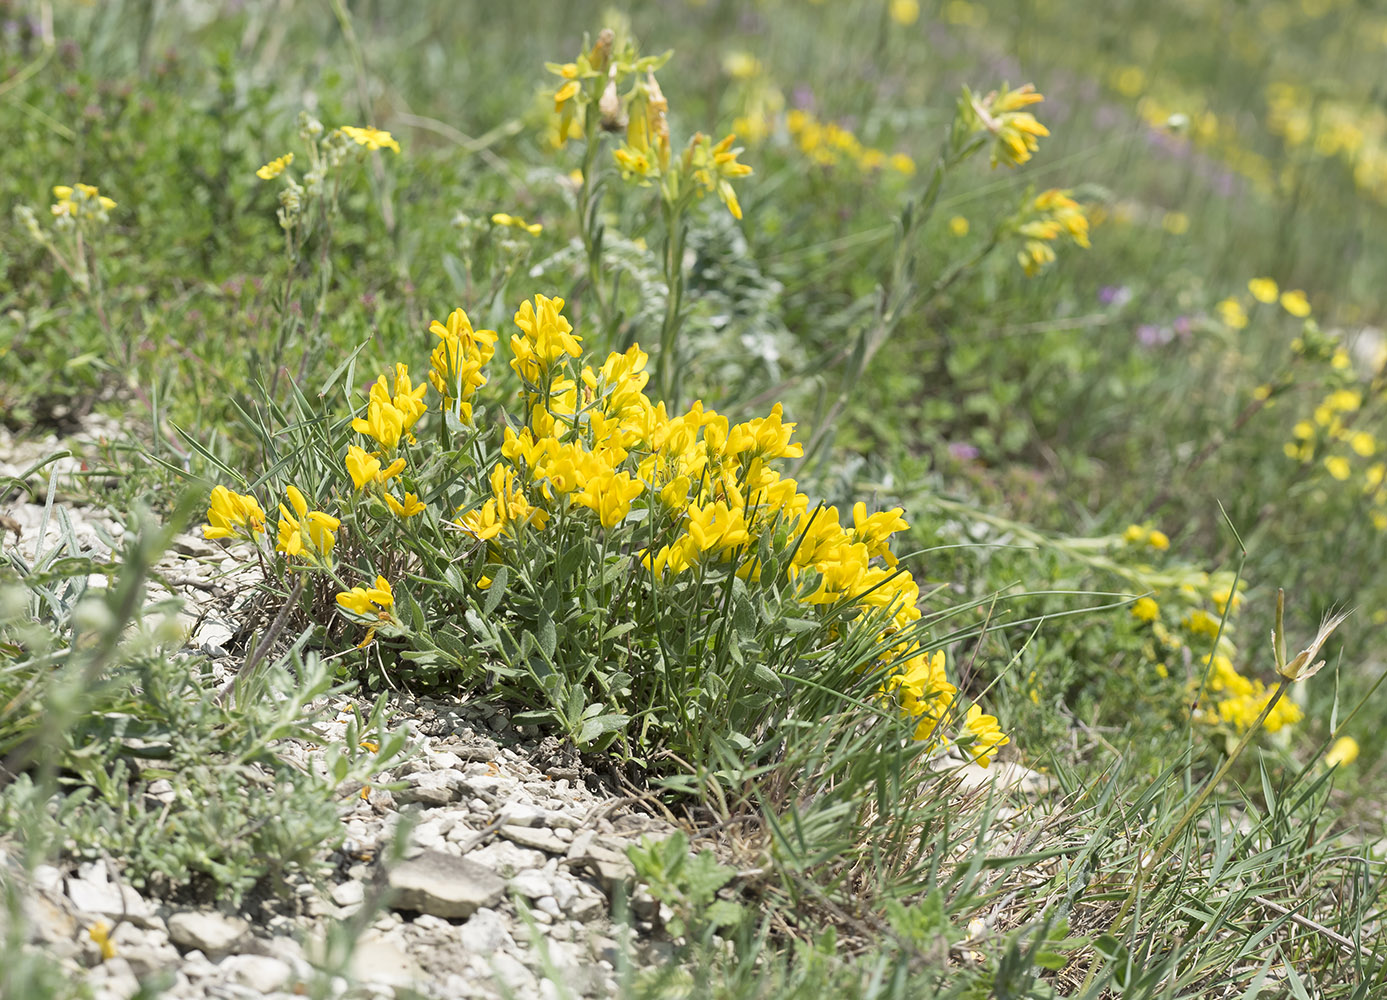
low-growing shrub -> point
(642, 581)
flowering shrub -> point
(632, 576)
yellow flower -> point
(506, 508)
(905, 12)
(740, 65)
(1264, 290)
(565, 92)
(1050, 215)
(369, 601)
(1200, 622)
(365, 468)
(1034, 256)
(1016, 133)
(457, 361)
(958, 225)
(1295, 303)
(1343, 753)
(987, 735)
(371, 138)
(233, 515)
(1363, 444)
(383, 421)
(1225, 596)
(546, 337)
(1129, 80)
(716, 166)
(410, 506)
(275, 167)
(1338, 467)
(1145, 609)
(1158, 540)
(633, 164)
(1231, 312)
(100, 932)
(516, 222)
(80, 201)
(610, 495)
(1175, 223)
(305, 531)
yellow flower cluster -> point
(1205, 606)
(506, 512)
(80, 202)
(516, 222)
(1349, 130)
(1232, 311)
(304, 532)
(311, 534)
(594, 441)
(370, 602)
(831, 145)
(1015, 132)
(275, 167)
(301, 532)
(594, 65)
(1331, 428)
(233, 515)
(371, 138)
(714, 167)
(1050, 215)
(455, 366)
(592, 87)
(1343, 753)
(1238, 700)
(1138, 534)
(389, 415)
(984, 735)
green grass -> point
(1023, 422)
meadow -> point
(811, 411)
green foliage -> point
(689, 885)
(99, 704)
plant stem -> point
(666, 364)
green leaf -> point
(765, 678)
(591, 729)
(456, 582)
(331, 380)
(416, 613)
(545, 635)
(743, 616)
(496, 591)
(618, 630)
(476, 623)
(724, 913)
(1116, 952)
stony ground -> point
(507, 880)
